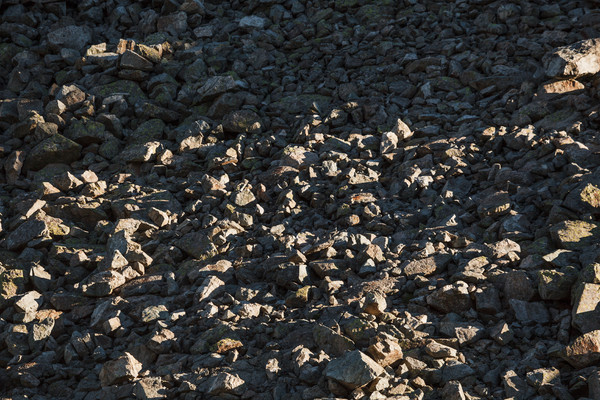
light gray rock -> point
(578, 59)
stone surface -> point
(353, 370)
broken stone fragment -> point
(102, 283)
(575, 235)
(330, 341)
(212, 286)
(55, 149)
(123, 369)
(385, 350)
(578, 59)
(71, 36)
(373, 303)
(586, 313)
(583, 351)
(26, 232)
(353, 370)
(226, 384)
(451, 298)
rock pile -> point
(284, 199)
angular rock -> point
(578, 59)
(353, 370)
(583, 351)
(586, 311)
(575, 235)
(123, 369)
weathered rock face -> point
(304, 199)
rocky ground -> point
(292, 199)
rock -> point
(252, 21)
(574, 235)
(501, 333)
(331, 342)
(132, 60)
(25, 233)
(451, 298)
(298, 157)
(543, 376)
(56, 148)
(374, 303)
(427, 266)
(242, 121)
(13, 166)
(453, 391)
(71, 36)
(353, 370)
(515, 386)
(102, 283)
(123, 369)
(385, 350)
(215, 86)
(197, 245)
(225, 383)
(28, 305)
(575, 60)
(583, 351)
(585, 314)
(494, 205)
(527, 312)
(594, 385)
(555, 284)
(150, 389)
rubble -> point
(321, 199)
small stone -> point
(211, 286)
(516, 387)
(528, 312)
(578, 59)
(586, 313)
(123, 369)
(252, 21)
(150, 388)
(132, 60)
(385, 350)
(575, 235)
(494, 205)
(353, 370)
(225, 383)
(451, 298)
(584, 351)
(501, 333)
(373, 303)
(453, 391)
(543, 376)
(71, 36)
(55, 149)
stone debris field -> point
(299, 199)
